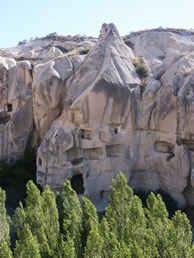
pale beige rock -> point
(50, 53)
(93, 126)
(161, 49)
(15, 110)
(48, 86)
(93, 116)
(107, 125)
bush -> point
(140, 67)
(53, 34)
(83, 51)
(23, 42)
(141, 71)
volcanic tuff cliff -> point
(93, 115)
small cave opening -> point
(102, 194)
(77, 183)
(85, 134)
(116, 131)
(8, 107)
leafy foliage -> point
(140, 67)
(5, 251)
(62, 227)
(170, 203)
(4, 224)
(83, 51)
(23, 42)
(71, 217)
(141, 70)
(27, 245)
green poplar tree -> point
(72, 217)
(5, 251)
(122, 251)
(136, 228)
(127, 221)
(109, 242)
(27, 245)
(89, 218)
(33, 215)
(65, 249)
(92, 239)
(50, 219)
(118, 209)
(41, 215)
(180, 236)
(19, 219)
(173, 236)
(94, 244)
(158, 223)
(191, 252)
(4, 224)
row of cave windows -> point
(73, 155)
(93, 154)
(88, 136)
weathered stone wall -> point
(93, 116)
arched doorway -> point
(77, 184)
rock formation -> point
(94, 115)
(15, 107)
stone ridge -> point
(97, 107)
(181, 32)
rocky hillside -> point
(95, 107)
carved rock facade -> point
(93, 116)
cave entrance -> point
(77, 184)
(8, 107)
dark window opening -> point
(77, 184)
(8, 107)
(116, 130)
(102, 194)
(85, 134)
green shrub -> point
(140, 67)
(83, 51)
(141, 70)
(23, 42)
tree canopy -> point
(52, 225)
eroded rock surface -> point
(15, 107)
(93, 115)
